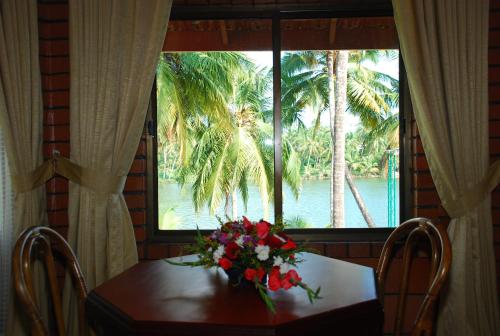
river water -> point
(176, 210)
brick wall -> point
(54, 62)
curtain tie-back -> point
(471, 198)
(93, 179)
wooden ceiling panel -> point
(255, 34)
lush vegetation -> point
(215, 122)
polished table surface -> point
(156, 298)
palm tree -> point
(339, 81)
(226, 138)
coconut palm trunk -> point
(338, 164)
(330, 55)
(359, 200)
(234, 205)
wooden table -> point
(156, 298)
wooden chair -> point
(440, 257)
(45, 241)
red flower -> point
(263, 228)
(275, 241)
(260, 273)
(274, 282)
(291, 279)
(289, 245)
(232, 250)
(250, 274)
(247, 225)
(225, 263)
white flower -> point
(278, 261)
(284, 268)
(239, 241)
(262, 252)
(218, 253)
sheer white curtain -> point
(5, 234)
(444, 44)
(114, 47)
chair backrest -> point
(413, 230)
(44, 240)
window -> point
(225, 148)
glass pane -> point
(340, 122)
(215, 133)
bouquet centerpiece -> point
(252, 252)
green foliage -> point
(215, 123)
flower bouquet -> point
(252, 253)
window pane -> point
(215, 138)
(340, 124)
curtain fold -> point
(6, 228)
(445, 49)
(114, 48)
(21, 118)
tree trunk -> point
(331, 103)
(265, 207)
(359, 199)
(339, 138)
(234, 204)
(165, 157)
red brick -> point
(138, 166)
(53, 11)
(141, 150)
(56, 117)
(55, 82)
(496, 234)
(336, 250)
(377, 249)
(51, 30)
(138, 217)
(57, 201)
(56, 98)
(496, 217)
(57, 185)
(135, 201)
(424, 180)
(58, 218)
(428, 197)
(56, 133)
(358, 250)
(419, 147)
(495, 146)
(494, 38)
(368, 262)
(494, 92)
(495, 111)
(494, 4)
(140, 251)
(495, 199)
(140, 233)
(50, 65)
(494, 128)
(135, 183)
(494, 20)
(431, 213)
(317, 247)
(176, 250)
(421, 163)
(497, 252)
(494, 56)
(157, 251)
(54, 47)
(62, 230)
(494, 73)
(48, 149)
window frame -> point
(277, 13)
